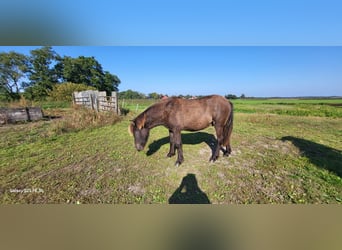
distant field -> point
(295, 107)
(284, 151)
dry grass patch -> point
(79, 118)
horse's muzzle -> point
(139, 147)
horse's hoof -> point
(178, 162)
(212, 159)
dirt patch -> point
(136, 189)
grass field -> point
(284, 151)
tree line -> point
(35, 76)
(131, 94)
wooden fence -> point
(97, 100)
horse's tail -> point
(228, 127)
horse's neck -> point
(153, 119)
(153, 123)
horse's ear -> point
(130, 128)
(141, 122)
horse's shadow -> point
(320, 155)
(188, 138)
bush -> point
(36, 93)
(64, 91)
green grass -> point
(276, 158)
(293, 107)
(136, 105)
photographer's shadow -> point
(189, 193)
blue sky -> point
(258, 48)
(171, 22)
(263, 71)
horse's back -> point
(196, 114)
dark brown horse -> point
(177, 114)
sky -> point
(259, 71)
(171, 22)
(257, 48)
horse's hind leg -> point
(219, 135)
(172, 145)
(227, 142)
(179, 147)
(227, 151)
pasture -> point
(283, 151)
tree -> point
(44, 69)
(111, 82)
(42, 73)
(13, 67)
(154, 95)
(63, 92)
(87, 71)
(130, 94)
(231, 96)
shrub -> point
(63, 91)
(36, 93)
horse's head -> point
(139, 131)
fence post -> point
(115, 100)
(102, 101)
(91, 101)
(73, 98)
(95, 101)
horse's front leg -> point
(179, 147)
(172, 144)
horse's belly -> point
(199, 124)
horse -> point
(177, 114)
